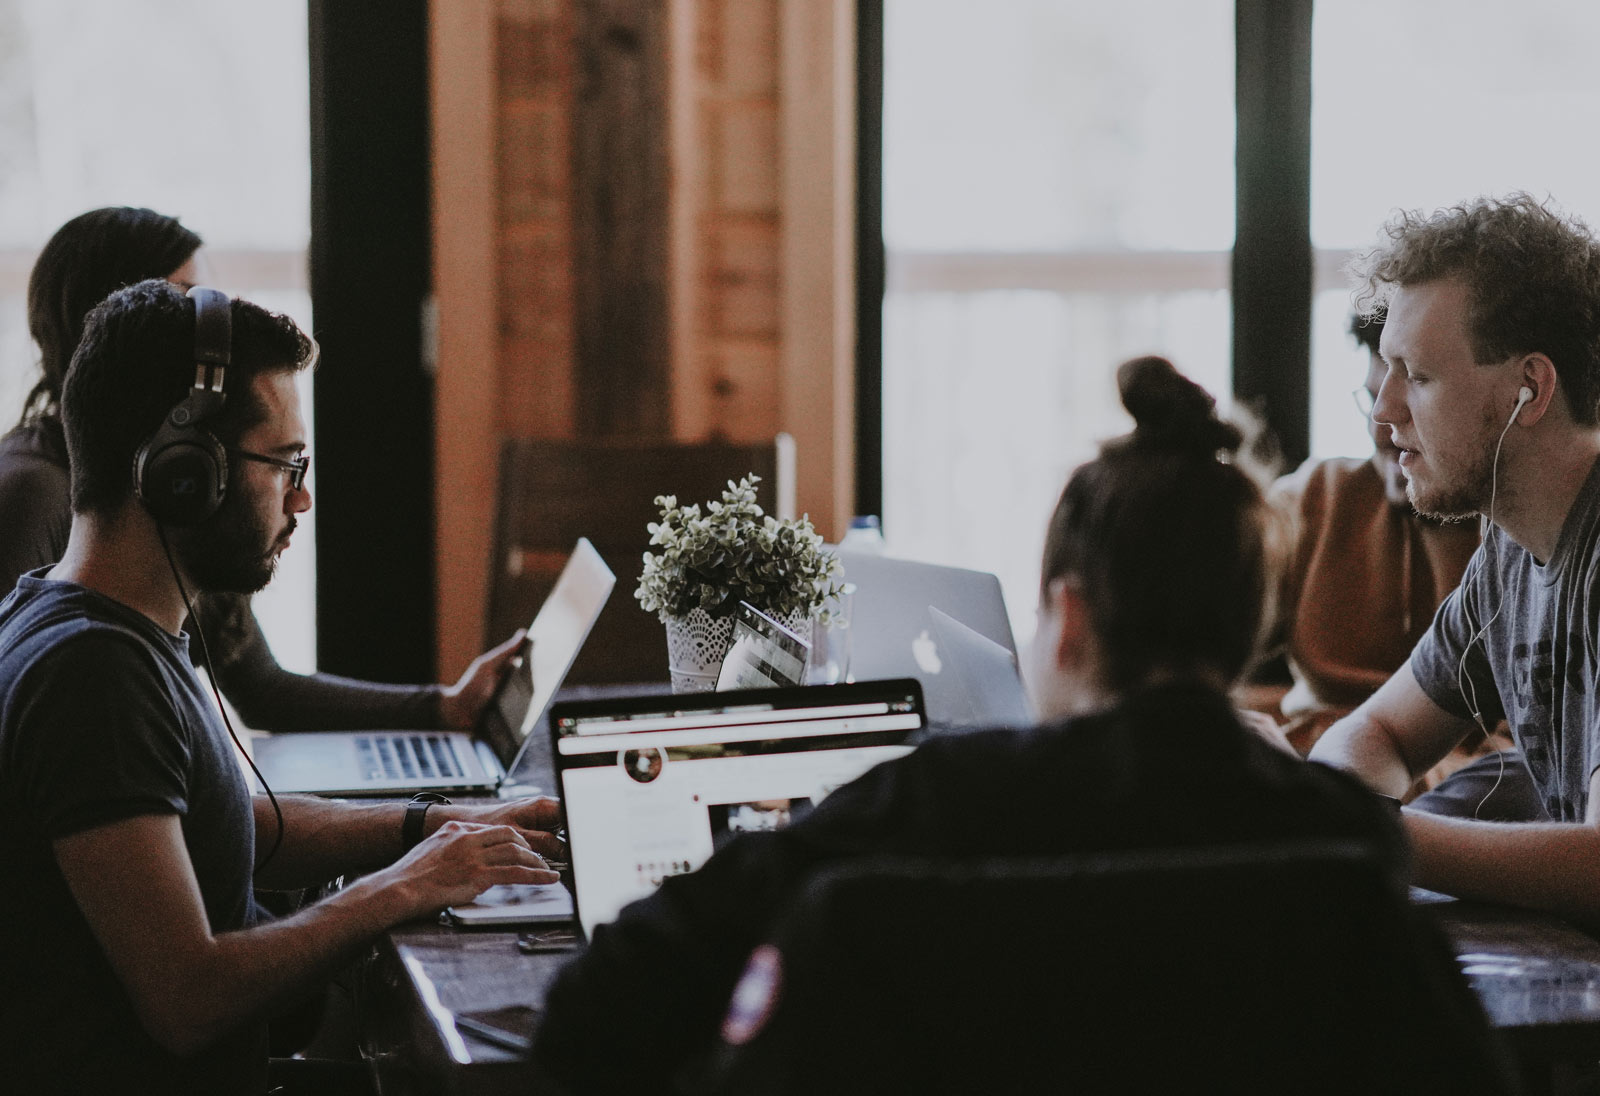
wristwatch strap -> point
(416, 811)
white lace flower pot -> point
(697, 644)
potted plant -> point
(709, 562)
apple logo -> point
(926, 653)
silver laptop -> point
(979, 683)
(353, 763)
(894, 635)
(652, 786)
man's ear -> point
(1074, 639)
(1539, 377)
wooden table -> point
(1538, 978)
(422, 978)
(419, 984)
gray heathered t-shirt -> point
(1535, 665)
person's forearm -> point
(1552, 866)
(1363, 748)
(136, 886)
(271, 698)
(327, 838)
(241, 975)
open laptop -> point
(652, 786)
(894, 634)
(979, 683)
(354, 763)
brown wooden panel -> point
(619, 209)
(553, 492)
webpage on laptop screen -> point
(655, 794)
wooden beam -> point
(817, 272)
(465, 284)
(620, 219)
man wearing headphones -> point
(129, 841)
(1492, 393)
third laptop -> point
(399, 762)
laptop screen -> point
(652, 786)
(555, 637)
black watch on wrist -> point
(416, 811)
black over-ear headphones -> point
(180, 473)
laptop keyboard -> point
(407, 757)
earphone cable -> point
(1464, 682)
(211, 674)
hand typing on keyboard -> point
(535, 820)
(457, 863)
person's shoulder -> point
(32, 448)
(964, 762)
(1319, 789)
(1327, 482)
(77, 668)
(59, 623)
(964, 751)
(35, 486)
(1056, 752)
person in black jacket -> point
(1151, 603)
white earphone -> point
(1524, 394)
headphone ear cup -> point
(181, 475)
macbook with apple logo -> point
(897, 634)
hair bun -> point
(1172, 412)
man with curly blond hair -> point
(1492, 395)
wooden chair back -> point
(553, 492)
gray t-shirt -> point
(1535, 664)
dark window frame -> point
(371, 260)
(1273, 264)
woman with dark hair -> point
(1152, 593)
(88, 258)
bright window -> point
(1414, 108)
(1058, 197)
(197, 108)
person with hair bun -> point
(83, 263)
(1152, 593)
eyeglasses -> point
(296, 468)
(1364, 400)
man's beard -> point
(1470, 495)
(231, 552)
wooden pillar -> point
(619, 219)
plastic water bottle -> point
(864, 535)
